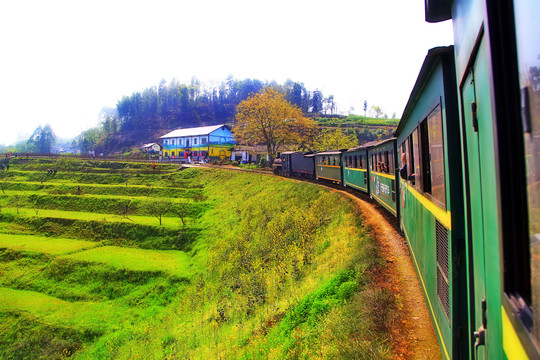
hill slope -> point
(243, 266)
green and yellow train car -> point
(431, 196)
(356, 169)
(328, 166)
(494, 267)
(382, 174)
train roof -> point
(430, 61)
(329, 152)
(382, 142)
(296, 152)
(358, 148)
(438, 10)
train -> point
(462, 177)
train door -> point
(477, 133)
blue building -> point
(199, 143)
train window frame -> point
(425, 162)
(416, 175)
(434, 124)
(391, 165)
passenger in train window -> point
(403, 168)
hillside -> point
(242, 266)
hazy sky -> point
(61, 62)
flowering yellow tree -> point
(267, 118)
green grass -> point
(264, 267)
(173, 262)
(167, 222)
(45, 245)
(357, 120)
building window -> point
(204, 141)
(195, 141)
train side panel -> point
(303, 165)
(496, 52)
(431, 197)
(355, 169)
(382, 175)
(328, 166)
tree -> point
(158, 208)
(377, 111)
(182, 211)
(329, 139)
(267, 118)
(317, 102)
(42, 138)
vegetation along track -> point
(275, 268)
(415, 332)
(414, 337)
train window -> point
(528, 48)
(415, 160)
(436, 157)
(425, 166)
(390, 168)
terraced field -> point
(84, 252)
(112, 260)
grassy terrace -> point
(237, 265)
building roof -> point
(149, 145)
(196, 131)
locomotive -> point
(462, 175)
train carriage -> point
(382, 174)
(355, 168)
(497, 48)
(431, 215)
(285, 164)
(302, 164)
(328, 166)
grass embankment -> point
(357, 120)
(259, 267)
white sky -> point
(62, 61)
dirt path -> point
(415, 336)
